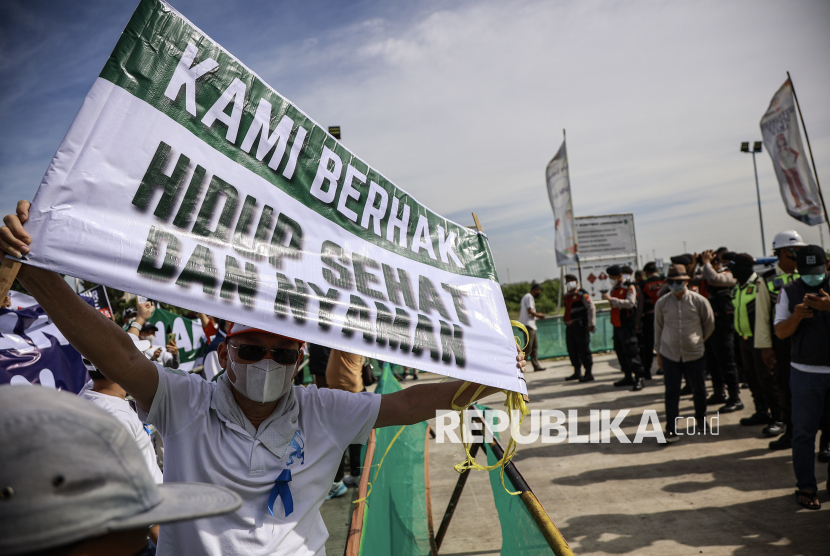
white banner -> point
(185, 178)
(559, 193)
(779, 127)
(601, 237)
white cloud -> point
(464, 107)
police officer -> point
(743, 298)
(774, 351)
(580, 322)
(623, 300)
(649, 290)
(720, 347)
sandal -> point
(813, 504)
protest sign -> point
(779, 126)
(187, 179)
(33, 351)
(559, 194)
(100, 300)
(190, 338)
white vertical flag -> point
(559, 192)
(779, 127)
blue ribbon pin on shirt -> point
(281, 489)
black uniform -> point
(577, 334)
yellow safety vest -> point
(743, 298)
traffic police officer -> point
(623, 300)
(774, 351)
(580, 322)
(743, 298)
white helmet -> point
(787, 238)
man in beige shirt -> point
(683, 321)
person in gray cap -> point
(72, 481)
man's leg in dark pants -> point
(748, 361)
(533, 349)
(632, 352)
(572, 343)
(811, 393)
(781, 373)
(584, 349)
(713, 367)
(619, 349)
(647, 345)
(672, 374)
(724, 345)
(695, 372)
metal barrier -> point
(551, 335)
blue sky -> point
(463, 103)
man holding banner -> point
(250, 431)
(221, 196)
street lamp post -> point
(756, 148)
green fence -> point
(551, 335)
(395, 519)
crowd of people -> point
(717, 316)
(249, 456)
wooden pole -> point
(356, 527)
(478, 227)
(8, 273)
(809, 148)
(456, 496)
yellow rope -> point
(513, 403)
(369, 490)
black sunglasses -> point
(674, 282)
(283, 356)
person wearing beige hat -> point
(72, 481)
(683, 321)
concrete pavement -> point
(715, 494)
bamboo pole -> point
(433, 545)
(8, 273)
(356, 527)
(813, 160)
(453, 504)
(543, 521)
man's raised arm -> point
(98, 338)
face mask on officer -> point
(813, 280)
(571, 286)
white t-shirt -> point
(200, 445)
(121, 410)
(528, 304)
(782, 313)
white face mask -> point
(571, 286)
(152, 339)
(263, 381)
